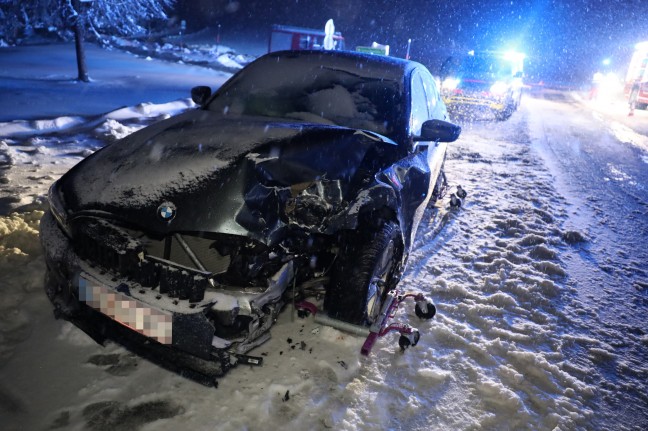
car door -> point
(437, 110)
(413, 172)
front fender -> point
(404, 188)
(378, 196)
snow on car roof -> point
(365, 65)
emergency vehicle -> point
(638, 75)
(486, 80)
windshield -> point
(305, 90)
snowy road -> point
(601, 168)
(572, 190)
(540, 280)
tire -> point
(368, 266)
(440, 186)
(429, 313)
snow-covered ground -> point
(516, 343)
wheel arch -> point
(372, 208)
(351, 294)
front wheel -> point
(368, 266)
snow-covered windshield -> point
(308, 91)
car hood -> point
(475, 84)
(210, 168)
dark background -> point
(564, 40)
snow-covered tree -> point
(19, 18)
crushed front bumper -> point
(164, 325)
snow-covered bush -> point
(22, 18)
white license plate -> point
(130, 312)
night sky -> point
(565, 40)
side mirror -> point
(200, 95)
(439, 130)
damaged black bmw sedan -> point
(306, 172)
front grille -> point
(203, 248)
(99, 242)
(176, 282)
(115, 250)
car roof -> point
(362, 64)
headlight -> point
(57, 207)
(450, 83)
(499, 88)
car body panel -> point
(212, 185)
(209, 216)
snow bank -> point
(188, 49)
(21, 276)
(138, 113)
(18, 239)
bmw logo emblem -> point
(166, 211)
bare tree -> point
(19, 18)
(76, 17)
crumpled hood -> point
(204, 164)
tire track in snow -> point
(493, 356)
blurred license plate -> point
(130, 312)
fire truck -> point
(483, 81)
(638, 75)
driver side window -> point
(419, 109)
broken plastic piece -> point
(305, 306)
(407, 340)
(424, 310)
(249, 360)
